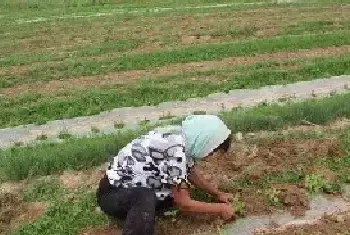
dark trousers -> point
(138, 206)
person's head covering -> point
(203, 134)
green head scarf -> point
(203, 133)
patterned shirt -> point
(156, 160)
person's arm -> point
(198, 180)
(184, 202)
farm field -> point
(94, 64)
(65, 59)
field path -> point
(213, 104)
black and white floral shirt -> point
(156, 160)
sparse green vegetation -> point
(64, 135)
(239, 208)
(272, 196)
(64, 59)
(95, 130)
(53, 158)
(119, 124)
(315, 183)
(95, 100)
(42, 137)
(19, 163)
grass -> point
(86, 3)
(33, 108)
(41, 137)
(44, 189)
(71, 68)
(285, 177)
(54, 158)
(275, 117)
(64, 135)
(62, 216)
(317, 184)
(78, 154)
(119, 125)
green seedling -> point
(95, 130)
(199, 113)
(63, 135)
(317, 184)
(119, 124)
(42, 137)
(238, 206)
(18, 144)
(272, 196)
(167, 117)
(144, 122)
(171, 213)
(314, 183)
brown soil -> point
(29, 213)
(253, 162)
(282, 155)
(329, 225)
(13, 70)
(78, 179)
(136, 75)
(294, 198)
(71, 35)
(15, 212)
(255, 202)
(11, 205)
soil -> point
(329, 225)
(282, 154)
(15, 212)
(294, 198)
(136, 75)
(13, 70)
(244, 161)
(253, 162)
(78, 179)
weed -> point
(167, 116)
(263, 103)
(119, 124)
(283, 99)
(144, 122)
(317, 184)
(45, 189)
(66, 217)
(199, 113)
(63, 135)
(172, 213)
(333, 93)
(95, 130)
(238, 206)
(18, 144)
(42, 137)
(272, 196)
(85, 102)
(52, 158)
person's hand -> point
(227, 212)
(225, 197)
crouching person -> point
(154, 171)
